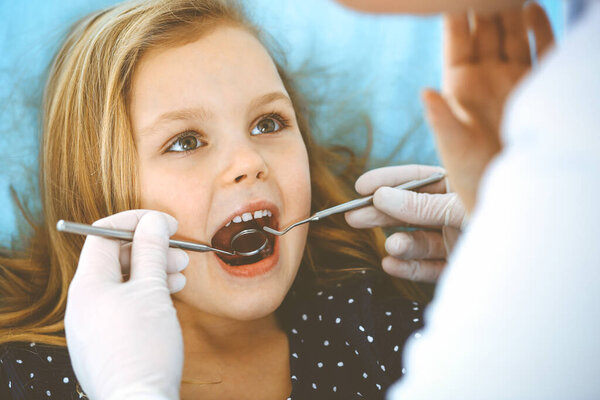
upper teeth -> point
(247, 216)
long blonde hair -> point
(88, 164)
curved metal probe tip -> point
(357, 203)
(286, 230)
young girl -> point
(178, 106)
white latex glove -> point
(124, 338)
(418, 255)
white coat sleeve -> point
(517, 313)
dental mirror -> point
(246, 248)
(255, 242)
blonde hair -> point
(88, 165)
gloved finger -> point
(515, 43)
(414, 270)
(150, 246)
(537, 20)
(177, 259)
(100, 257)
(98, 261)
(453, 212)
(370, 181)
(125, 259)
(418, 245)
(487, 37)
(422, 209)
(370, 217)
(176, 282)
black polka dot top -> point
(36, 371)
(345, 339)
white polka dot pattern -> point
(345, 342)
(37, 371)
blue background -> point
(361, 65)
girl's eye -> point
(187, 142)
(267, 125)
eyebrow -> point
(270, 98)
(201, 113)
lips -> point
(253, 218)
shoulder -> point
(34, 371)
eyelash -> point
(283, 124)
(182, 135)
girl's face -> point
(218, 143)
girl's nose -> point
(247, 165)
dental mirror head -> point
(254, 242)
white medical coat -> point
(517, 313)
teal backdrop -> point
(361, 68)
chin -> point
(239, 305)
(217, 292)
(255, 307)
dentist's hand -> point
(481, 67)
(421, 254)
(124, 338)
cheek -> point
(180, 194)
(295, 178)
(158, 189)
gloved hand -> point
(124, 338)
(417, 255)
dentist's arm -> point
(124, 338)
(429, 6)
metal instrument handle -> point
(111, 233)
(366, 201)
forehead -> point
(227, 65)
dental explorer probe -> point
(358, 203)
(84, 229)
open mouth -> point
(247, 220)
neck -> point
(203, 332)
(222, 353)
